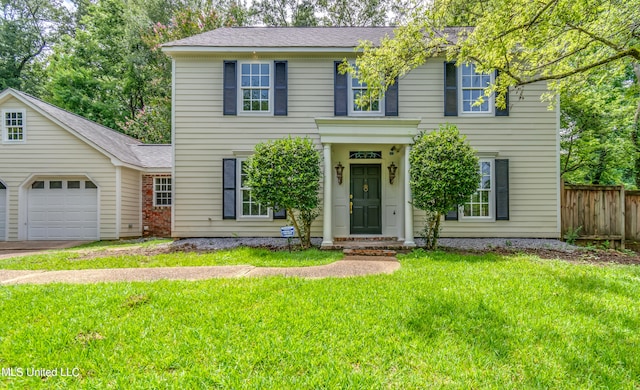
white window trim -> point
(492, 198)
(352, 112)
(239, 215)
(170, 191)
(241, 110)
(5, 135)
(490, 99)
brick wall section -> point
(156, 221)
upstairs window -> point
(472, 85)
(371, 106)
(255, 87)
(13, 126)
(357, 89)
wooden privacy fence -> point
(603, 213)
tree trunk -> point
(292, 218)
(636, 128)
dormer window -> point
(13, 126)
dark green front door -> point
(366, 216)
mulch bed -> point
(591, 256)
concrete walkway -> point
(24, 248)
(349, 266)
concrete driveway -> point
(22, 248)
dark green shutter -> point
(505, 111)
(230, 87)
(450, 89)
(340, 91)
(502, 189)
(451, 215)
(391, 100)
(228, 188)
(280, 88)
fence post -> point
(622, 215)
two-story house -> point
(236, 87)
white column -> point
(327, 222)
(408, 208)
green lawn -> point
(75, 259)
(442, 320)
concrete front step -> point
(369, 252)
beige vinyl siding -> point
(131, 203)
(527, 137)
(203, 137)
(51, 151)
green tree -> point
(597, 128)
(151, 122)
(285, 173)
(28, 28)
(93, 72)
(443, 174)
(562, 42)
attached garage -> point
(3, 212)
(62, 209)
(68, 178)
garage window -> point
(89, 184)
(162, 191)
(73, 185)
(37, 185)
(55, 184)
(13, 126)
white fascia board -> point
(367, 130)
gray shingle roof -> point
(153, 156)
(327, 37)
(291, 37)
(110, 141)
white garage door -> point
(3, 211)
(63, 210)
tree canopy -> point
(443, 170)
(587, 50)
(285, 173)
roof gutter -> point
(228, 49)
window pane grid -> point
(14, 125)
(255, 83)
(250, 207)
(479, 203)
(473, 85)
(162, 191)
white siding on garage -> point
(3, 211)
(131, 203)
(51, 151)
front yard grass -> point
(442, 320)
(75, 259)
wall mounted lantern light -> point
(392, 172)
(339, 170)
